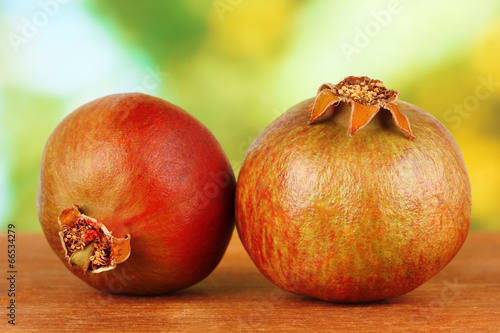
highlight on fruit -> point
(360, 217)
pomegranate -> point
(136, 196)
(359, 217)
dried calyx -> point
(88, 244)
(366, 97)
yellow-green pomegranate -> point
(359, 217)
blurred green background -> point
(237, 64)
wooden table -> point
(465, 296)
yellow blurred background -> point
(237, 64)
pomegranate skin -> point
(144, 167)
(352, 219)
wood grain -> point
(465, 296)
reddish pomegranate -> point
(355, 218)
(136, 196)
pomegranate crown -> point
(88, 244)
(366, 97)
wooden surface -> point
(465, 296)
